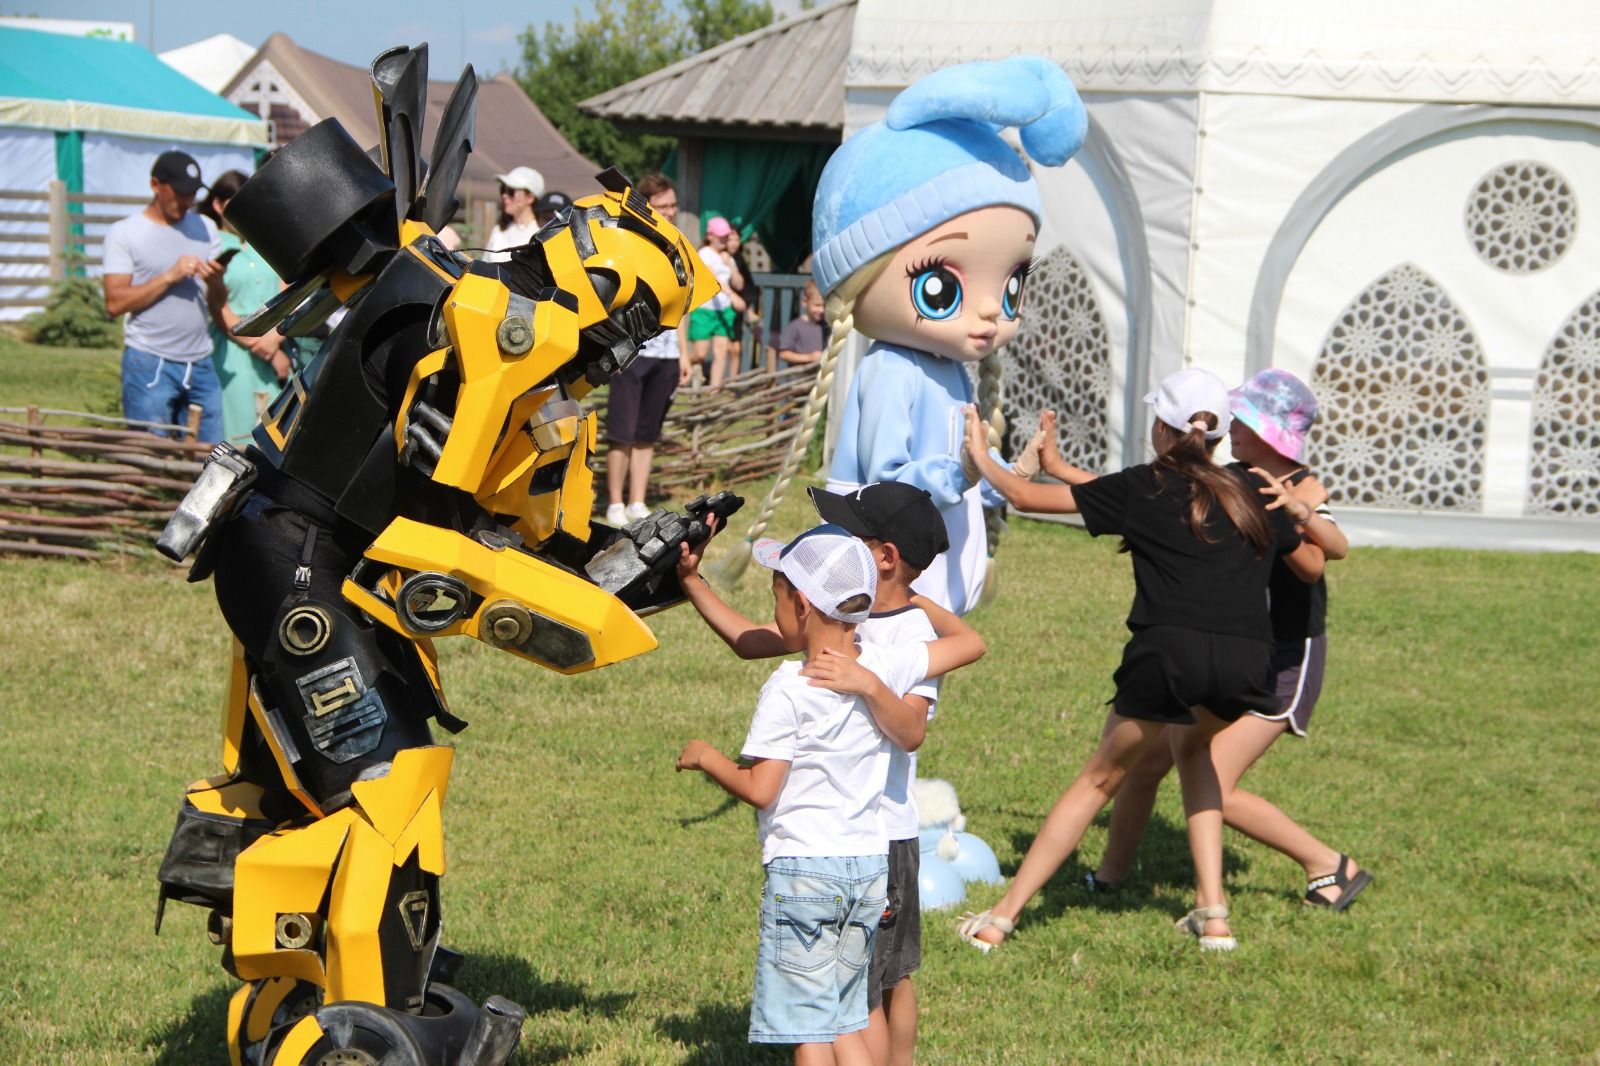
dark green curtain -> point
(765, 187)
(69, 170)
(69, 159)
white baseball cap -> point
(1183, 395)
(523, 178)
(828, 565)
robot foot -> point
(451, 1031)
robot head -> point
(630, 272)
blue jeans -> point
(818, 920)
(160, 390)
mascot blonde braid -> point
(841, 317)
(990, 398)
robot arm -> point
(493, 413)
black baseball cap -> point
(179, 170)
(891, 511)
(552, 202)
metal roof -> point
(785, 80)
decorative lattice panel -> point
(1564, 466)
(1521, 217)
(1061, 359)
(1404, 390)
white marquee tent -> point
(1397, 201)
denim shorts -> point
(819, 917)
(159, 391)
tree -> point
(624, 40)
(710, 22)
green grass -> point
(68, 379)
(616, 900)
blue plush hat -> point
(938, 154)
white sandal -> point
(973, 924)
(1194, 923)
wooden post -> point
(691, 172)
(59, 230)
(488, 211)
(192, 422)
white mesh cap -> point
(828, 565)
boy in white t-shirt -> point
(904, 530)
(819, 764)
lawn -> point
(616, 900)
(74, 379)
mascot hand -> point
(1028, 463)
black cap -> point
(179, 170)
(552, 202)
(901, 514)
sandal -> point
(1349, 887)
(1093, 884)
(973, 924)
(1194, 923)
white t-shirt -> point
(902, 628)
(663, 345)
(178, 325)
(712, 259)
(501, 241)
(838, 760)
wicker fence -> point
(81, 486)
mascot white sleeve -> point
(923, 237)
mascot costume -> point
(922, 239)
(425, 476)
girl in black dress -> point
(1203, 546)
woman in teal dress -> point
(251, 369)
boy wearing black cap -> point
(159, 263)
(904, 530)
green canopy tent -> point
(93, 114)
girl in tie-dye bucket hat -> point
(1272, 414)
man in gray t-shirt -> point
(159, 265)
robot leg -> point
(349, 905)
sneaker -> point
(637, 511)
(617, 515)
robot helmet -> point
(630, 271)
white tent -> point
(212, 62)
(1391, 200)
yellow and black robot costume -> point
(425, 475)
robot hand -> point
(646, 551)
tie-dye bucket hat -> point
(1279, 407)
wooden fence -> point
(82, 486)
(55, 239)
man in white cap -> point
(520, 189)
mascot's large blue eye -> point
(935, 293)
(1011, 298)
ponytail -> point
(1187, 454)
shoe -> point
(1349, 887)
(1194, 923)
(1093, 885)
(617, 515)
(973, 924)
(637, 511)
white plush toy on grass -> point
(950, 857)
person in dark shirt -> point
(1203, 547)
(1272, 412)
